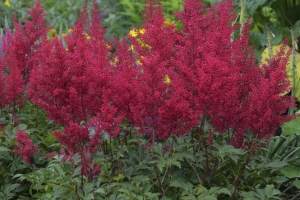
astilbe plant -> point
(72, 82)
(17, 56)
(124, 81)
(25, 148)
(156, 110)
(27, 39)
(227, 87)
(79, 139)
(11, 82)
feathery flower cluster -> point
(71, 83)
(27, 39)
(11, 82)
(83, 140)
(17, 55)
(221, 76)
(25, 148)
(157, 110)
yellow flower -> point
(108, 46)
(87, 36)
(138, 62)
(142, 31)
(169, 22)
(131, 48)
(52, 33)
(116, 59)
(133, 33)
(167, 79)
(7, 3)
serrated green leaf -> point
(218, 190)
(2, 149)
(292, 127)
(230, 151)
(290, 171)
(252, 6)
(268, 192)
(297, 183)
(208, 197)
(186, 186)
(100, 191)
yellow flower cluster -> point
(135, 33)
(7, 3)
(169, 22)
(167, 79)
(52, 33)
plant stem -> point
(206, 166)
(237, 180)
(112, 159)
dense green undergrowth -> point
(177, 168)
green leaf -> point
(100, 191)
(252, 6)
(297, 183)
(218, 190)
(22, 126)
(292, 127)
(230, 151)
(269, 192)
(290, 171)
(2, 149)
(88, 188)
(208, 197)
(186, 186)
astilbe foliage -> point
(25, 148)
(220, 73)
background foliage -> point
(119, 16)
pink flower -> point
(25, 148)
(83, 140)
(27, 39)
(220, 74)
(156, 109)
(70, 83)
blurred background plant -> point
(271, 22)
(118, 16)
(65, 12)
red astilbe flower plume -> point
(156, 109)
(25, 148)
(73, 83)
(26, 39)
(11, 82)
(266, 105)
(124, 81)
(220, 73)
(204, 54)
(83, 140)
